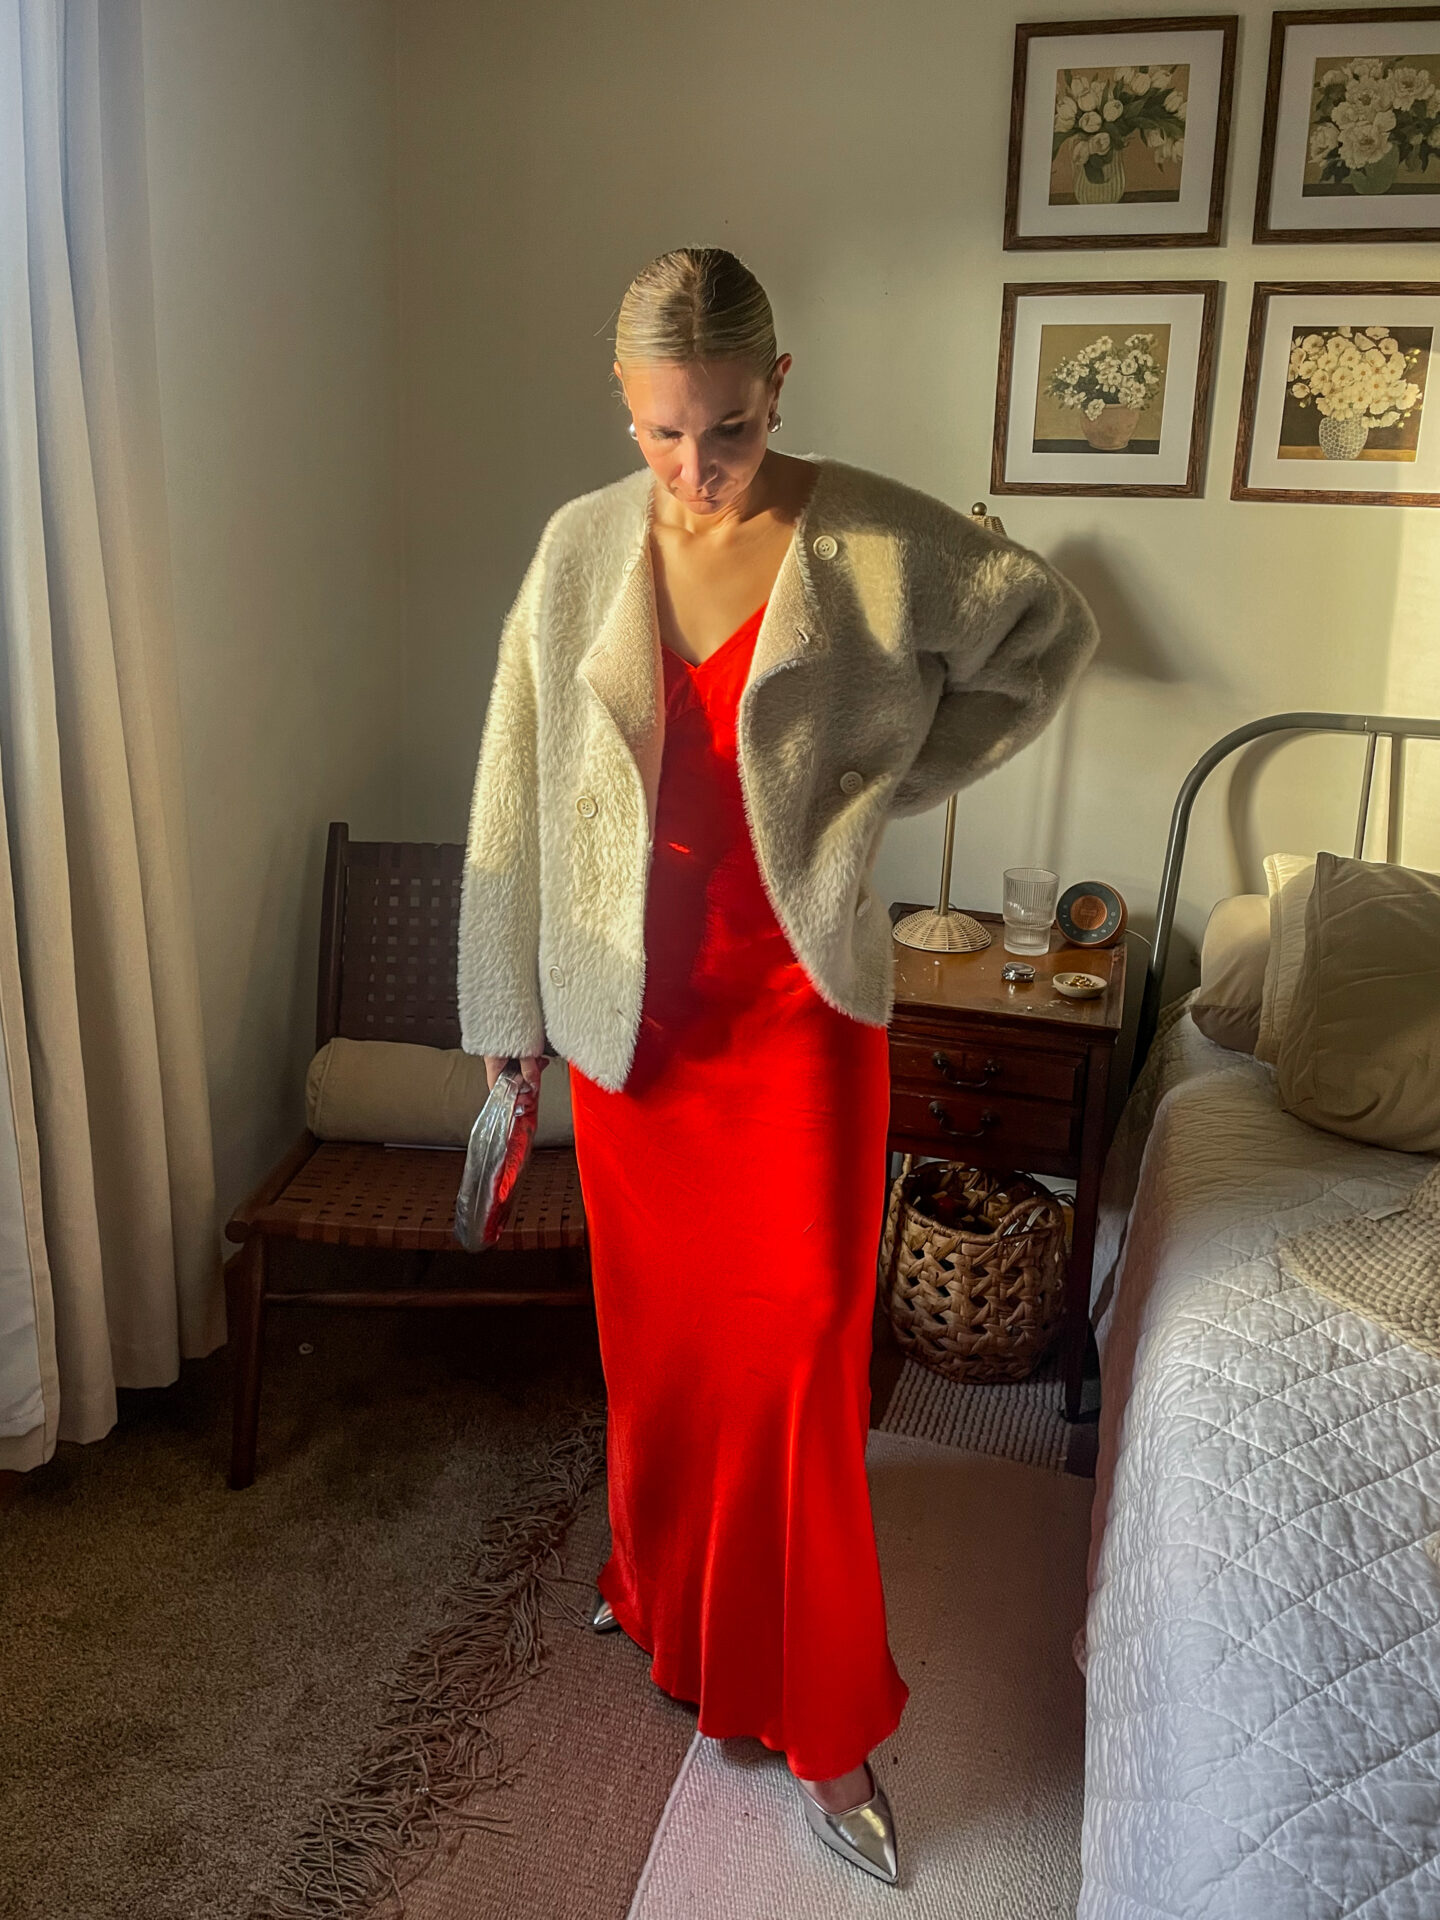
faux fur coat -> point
(905, 651)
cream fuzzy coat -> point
(904, 652)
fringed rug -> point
(596, 1746)
(414, 1782)
(984, 1566)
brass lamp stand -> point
(945, 929)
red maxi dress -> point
(734, 1190)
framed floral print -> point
(1104, 387)
(1338, 402)
(1351, 143)
(1119, 131)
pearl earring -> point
(775, 423)
(631, 429)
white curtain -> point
(110, 1267)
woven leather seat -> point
(388, 965)
(352, 1195)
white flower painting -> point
(1374, 126)
(1350, 142)
(1104, 387)
(1119, 134)
(1334, 397)
(1120, 131)
(1107, 386)
(1353, 388)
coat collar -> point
(624, 664)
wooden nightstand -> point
(1010, 1077)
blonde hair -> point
(696, 303)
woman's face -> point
(702, 425)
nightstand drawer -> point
(944, 1069)
(956, 1121)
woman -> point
(720, 677)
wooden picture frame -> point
(1142, 190)
(1321, 181)
(1375, 326)
(1064, 346)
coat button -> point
(557, 975)
(629, 566)
(826, 546)
(587, 806)
(851, 781)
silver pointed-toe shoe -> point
(863, 1835)
(603, 1620)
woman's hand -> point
(531, 1067)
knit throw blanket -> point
(1386, 1269)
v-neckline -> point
(798, 535)
(729, 640)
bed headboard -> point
(1395, 728)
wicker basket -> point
(974, 1269)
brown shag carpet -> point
(188, 1673)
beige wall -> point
(390, 236)
(854, 155)
(270, 136)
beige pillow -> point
(1288, 877)
(392, 1091)
(1233, 954)
(1360, 1053)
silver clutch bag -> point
(500, 1143)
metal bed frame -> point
(1397, 730)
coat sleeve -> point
(1003, 637)
(499, 934)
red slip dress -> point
(734, 1190)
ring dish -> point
(1080, 986)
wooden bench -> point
(388, 971)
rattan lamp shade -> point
(943, 928)
(941, 931)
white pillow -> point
(1288, 878)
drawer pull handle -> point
(942, 1061)
(987, 1120)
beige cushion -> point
(1233, 955)
(1288, 879)
(391, 1091)
(1360, 1053)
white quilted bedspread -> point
(1263, 1682)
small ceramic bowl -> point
(1080, 986)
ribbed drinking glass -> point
(1028, 908)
